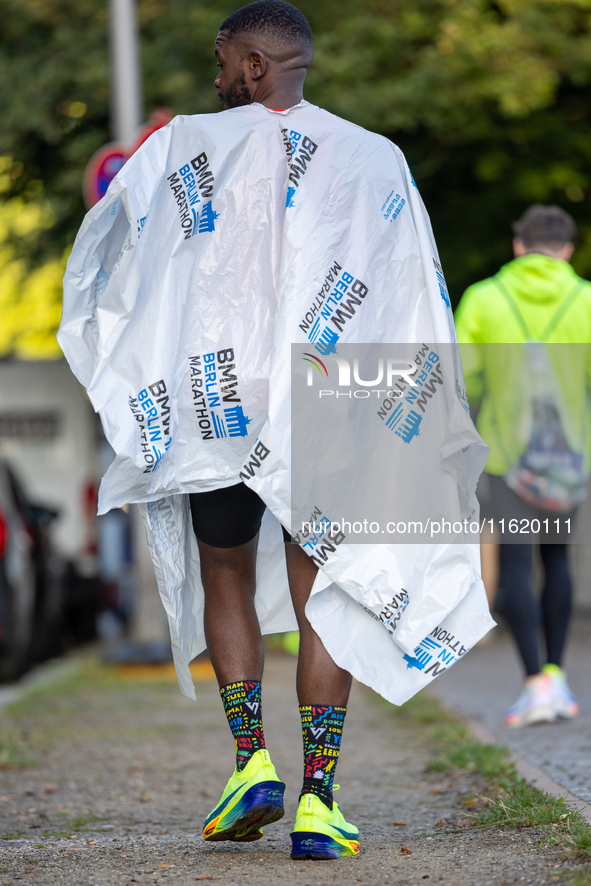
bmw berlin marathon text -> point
(380, 432)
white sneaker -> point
(534, 705)
(563, 701)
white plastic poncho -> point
(207, 258)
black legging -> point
(521, 609)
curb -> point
(532, 774)
(43, 675)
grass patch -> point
(488, 760)
(12, 751)
(75, 825)
(424, 710)
(510, 800)
(457, 749)
(81, 822)
(78, 686)
(520, 805)
(582, 877)
(578, 839)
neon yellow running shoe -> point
(320, 833)
(252, 799)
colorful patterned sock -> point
(242, 704)
(322, 728)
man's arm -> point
(468, 327)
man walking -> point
(536, 479)
(264, 51)
(225, 239)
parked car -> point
(47, 637)
(49, 438)
(17, 583)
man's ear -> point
(258, 65)
(518, 248)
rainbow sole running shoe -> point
(534, 705)
(320, 833)
(563, 701)
(252, 799)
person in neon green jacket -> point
(537, 298)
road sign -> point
(108, 160)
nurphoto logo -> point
(388, 369)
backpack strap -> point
(554, 320)
(562, 309)
(514, 309)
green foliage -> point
(55, 81)
(489, 100)
(30, 300)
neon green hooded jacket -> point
(534, 298)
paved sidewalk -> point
(122, 775)
(489, 679)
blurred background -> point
(490, 102)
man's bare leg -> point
(232, 629)
(319, 679)
(320, 831)
(253, 796)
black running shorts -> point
(228, 517)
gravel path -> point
(121, 774)
(489, 679)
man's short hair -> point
(278, 21)
(548, 226)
